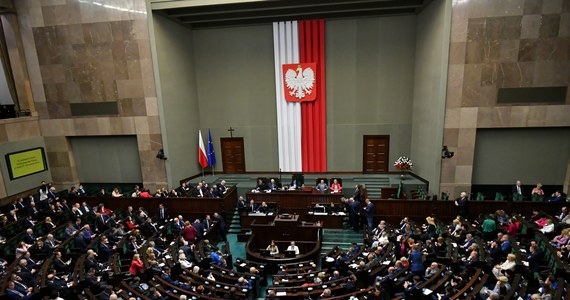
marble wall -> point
(85, 51)
(501, 44)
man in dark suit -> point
(81, 191)
(33, 211)
(195, 191)
(252, 207)
(562, 214)
(101, 222)
(517, 191)
(200, 228)
(222, 188)
(207, 223)
(242, 204)
(221, 226)
(469, 240)
(462, 202)
(59, 264)
(411, 290)
(162, 214)
(86, 209)
(91, 281)
(261, 186)
(29, 237)
(102, 193)
(149, 226)
(132, 246)
(14, 291)
(104, 251)
(273, 185)
(354, 213)
(80, 241)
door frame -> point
(224, 160)
(364, 137)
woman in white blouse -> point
(184, 263)
(509, 264)
(273, 250)
(549, 227)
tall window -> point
(8, 97)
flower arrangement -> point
(403, 163)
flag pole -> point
(202, 172)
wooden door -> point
(233, 155)
(375, 156)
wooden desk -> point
(190, 207)
(327, 221)
(295, 201)
(394, 210)
(307, 237)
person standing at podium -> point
(273, 249)
(293, 247)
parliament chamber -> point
(285, 149)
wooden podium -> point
(284, 229)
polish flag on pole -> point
(202, 158)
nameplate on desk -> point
(320, 213)
(257, 214)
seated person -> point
(336, 188)
(263, 208)
(538, 190)
(273, 185)
(252, 207)
(555, 197)
(293, 247)
(273, 249)
(333, 208)
(260, 185)
(322, 186)
(295, 184)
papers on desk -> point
(243, 265)
(522, 250)
(354, 266)
(282, 294)
(427, 291)
(342, 213)
(454, 245)
(284, 280)
(386, 262)
(320, 213)
(270, 213)
(329, 259)
(525, 263)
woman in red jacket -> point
(129, 223)
(137, 265)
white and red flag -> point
(202, 158)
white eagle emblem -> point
(300, 83)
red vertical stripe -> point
(313, 114)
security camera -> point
(445, 153)
(160, 154)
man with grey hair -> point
(462, 203)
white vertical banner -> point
(286, 51)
